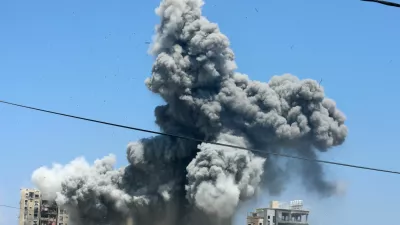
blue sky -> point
(89, 58)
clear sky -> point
(89, 58)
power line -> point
(384, 3)
(208, 142)
(9, 206)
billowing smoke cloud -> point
(171, 181)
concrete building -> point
(48, 213)
(280, 213)
(63, 218)
(29, 213)
(36, 210)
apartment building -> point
(63, 218)
(29, 213)
(35, 209)
(280, 213)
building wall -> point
(63, 218)
(274, 216)
(34, 210)
(274, 204)
(29, 213)
(270, 217)
(292, 216)
(255, 221)
(49, 213)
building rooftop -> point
(292, 205)
(280, 213)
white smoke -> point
(171, 181)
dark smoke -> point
(174, 182)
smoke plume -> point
(171, 181)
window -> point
(260, 224)
(60, 224)
(269, 217)
(61, 218)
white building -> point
(280, 213)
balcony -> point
(48, 221)
(47, 211)
(290, 222)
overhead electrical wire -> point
(384, 3)
(198, 140)
(9, 206)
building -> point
(63, 218)
(48, 213)
(280, 214)
(36, 210)
(29, 207)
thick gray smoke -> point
(174, 182)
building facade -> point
(29, 207)
(63, 218)
(280, 214)
(36, 210)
